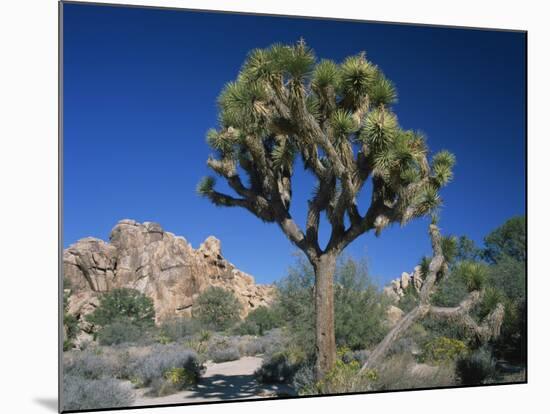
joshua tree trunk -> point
(325, 346)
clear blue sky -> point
(140, 89)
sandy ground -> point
(224, 381)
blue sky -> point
(140, 89)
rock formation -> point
(159, 264)
(396, 288)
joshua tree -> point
(338, 119)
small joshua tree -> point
(338, 119)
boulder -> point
(393, 315)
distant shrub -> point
(246, 328)
(443, 349)
(217, 308)
(124, 303)
(120, 331)
(265, 319)
(153, 368)
(271, 342)
(177, 328)
(223, 355)
(477, 368)
(84, 394)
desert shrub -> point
(246, 328)
(443, 349)
(304, 380)
(177, 328)
(271, 342)
(83, 394)
(397, 373)
(124, 303)
(346, 377)
(411, 342)
(360, 356)
(477, 368)
(297, 304)
(280, 366)
(276, 369)
(261, 320)
(89, 364)
(360, 311)
(153, 368)
(227, 354)
(121, 330)
(217, 308)
(174, 380)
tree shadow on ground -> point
(228, 387)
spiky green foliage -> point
(474, 274)
(449, 246)
(338, 119)
(343, 124)
(442, 165)
(383, 92)
(325, 75)
(206, 185)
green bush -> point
(443, 349)
(507, 240)
(360, 310)
(263, 319)
(345, 378)
(217, 308)
(122, 330)
(124, 303)
(177, 328)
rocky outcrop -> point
(159, 264)
(397, 287)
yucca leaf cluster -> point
(338, 118)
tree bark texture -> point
(324, 268)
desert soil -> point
(223, 381)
